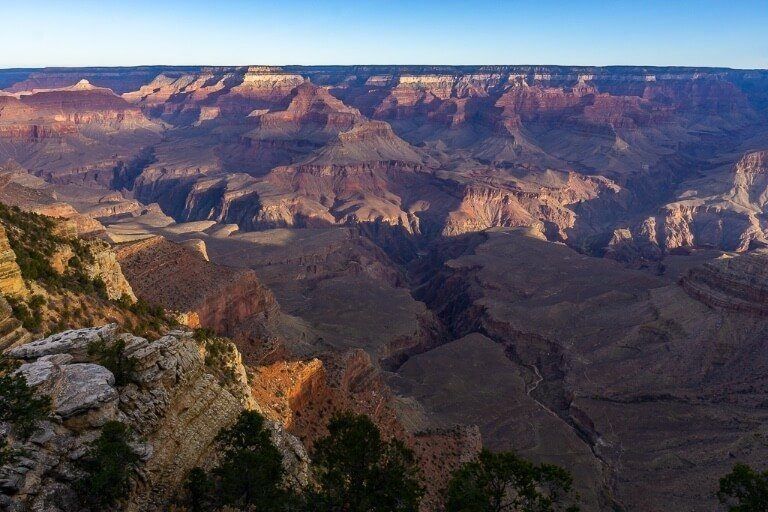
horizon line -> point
(278, 66)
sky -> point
(731, 33)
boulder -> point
(73, 342)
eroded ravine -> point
(454, 296)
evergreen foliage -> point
(503, 481)
(108, 468)
(744, 490)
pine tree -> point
(357, 471)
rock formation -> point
(11, 283)
(106, 267)
(736, 283)
(229, 301)
(174, 402)
(303, 136)
(12, 332)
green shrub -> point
(249, 476)
(108, 468)
(356, 471)
(124, 301)
(8, 454)
(100, 288)
(199, 491)
(112, 356)
(19, 405)
(202, 334)
(251, 470)
(28, 319)
(744, 490)
(250, 473)
(217, 352)
(505, 482)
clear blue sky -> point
(731, 33)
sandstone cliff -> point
(106, 267)
(12, 332)
(174, 402)
(11, 282)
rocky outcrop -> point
(77, 223)
(11, 282)
(313, 113)
(750, 180)
(73, 343)
(264, 85)
(106, 267)
(230, 301)
(737, 283)
(12, 333)
(312, 118)
(730, 219)
(197, 245)
(550, 204)
(173, 402)
(697, 224)
(639, 243)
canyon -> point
(567, 262)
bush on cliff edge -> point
(108, 468)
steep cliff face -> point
(312, 111)
(11, 282)
(750, 181)
(106, 267)
(83, 103)
(736, 283)
(12, 332)
(312, 118)
(725, 214)
(690, 224)
(51, 113)
(230, 301)
(181, 99)
(19, 122)
(549, 205)
(174, 402)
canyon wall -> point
(175, 404)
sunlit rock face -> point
(428, 149)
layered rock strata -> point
(174, 402)
(230, 301)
